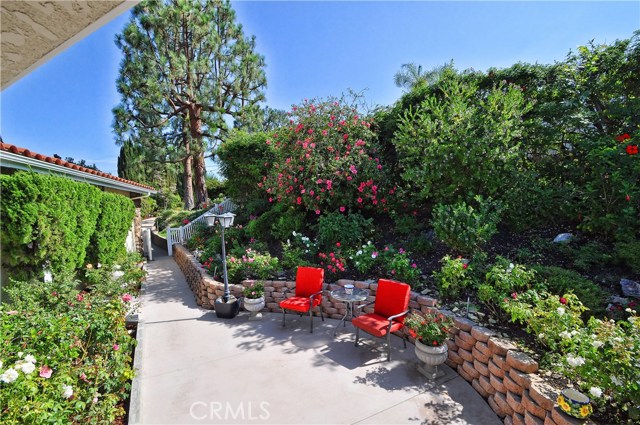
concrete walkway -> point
(193, 368)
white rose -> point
(67, 391)
(575, 361)
(25, 367)
(560, 311)
(595, 392)
(29, 358)
(9, 376)
(597, 344)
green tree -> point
(411, 75)
(187, 68)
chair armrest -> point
(312, 296)
(361, 306)
(395, 316)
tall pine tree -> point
(187, 70)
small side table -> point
(358, 295)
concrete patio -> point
(193, 368)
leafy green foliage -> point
(455, 277)
(628, 253)
(559, 281)
(347, 230)
(466, 228)
(504, 280)
(461, 141)
(46, 221)
(113, 224)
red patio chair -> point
(308, 295)
(391, 307)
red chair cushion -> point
(309, 281)
(392, 298)
(300, 304)
(375, 324)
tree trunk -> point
(200, 180)
(187, 175)
(195, 127)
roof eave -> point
(19, 162)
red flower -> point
(338, 244)
(563, 300)
(80, 297)
(185, 221)
(628, 198)
(623, 137)
(465, 265)
(434, 343)
(632, 149)
(514, 295)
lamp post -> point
(227, 307)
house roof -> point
(23, 159)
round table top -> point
(357, 295)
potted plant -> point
(254, 298)
(430, 331)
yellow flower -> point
(560, 399)
(564, 406)
(585, 410)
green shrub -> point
(504, 280)
(148, 207)
(592, 255)
(466, 228)
(350, 230)
(365, 259)
(46, 222)
(559, 281)
(299, 250)
(454, 277)
(113, 224)
(628, 253)
(398, 265)
(252, 265)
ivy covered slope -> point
(54, 223)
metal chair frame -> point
(390, 318)
(311, 297)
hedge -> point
(49, 221)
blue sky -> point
(312, 49)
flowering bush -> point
(504, 279)
(252, 264)
(66, 354)
(365, 258)
(430, 329)
(326, 160)
(299, 250)
(398, 265)
(254, 290)
(454, 277)
(349, 230)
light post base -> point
(227, 310)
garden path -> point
(193, 368)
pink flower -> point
(126, 298)
(80, 297)
(317, 212)
(338, 244)
(342, 209)
(414, 265)
(359, 200)
(45, 372)
(116, 347)
(465, 265)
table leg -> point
(342, 321)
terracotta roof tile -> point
(27, 153)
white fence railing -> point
(183, 233)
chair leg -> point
(310, 321)
(388, 346)
(357, 335)
(283, 316)
(321, 315)
(404, 340)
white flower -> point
(0, 364)
(29, 358)
(510, 268)
(575, 361)
(67, 391)
(595, 392)
(616, 380)
(9, 376)
(359, 252)
(20, 354)
(541, 336)
(25, 367)
(294, 233)
(565, 335)
(597, 344)
(631, 319)
(561, 311)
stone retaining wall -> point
(493, 366)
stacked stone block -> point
(504, 376)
